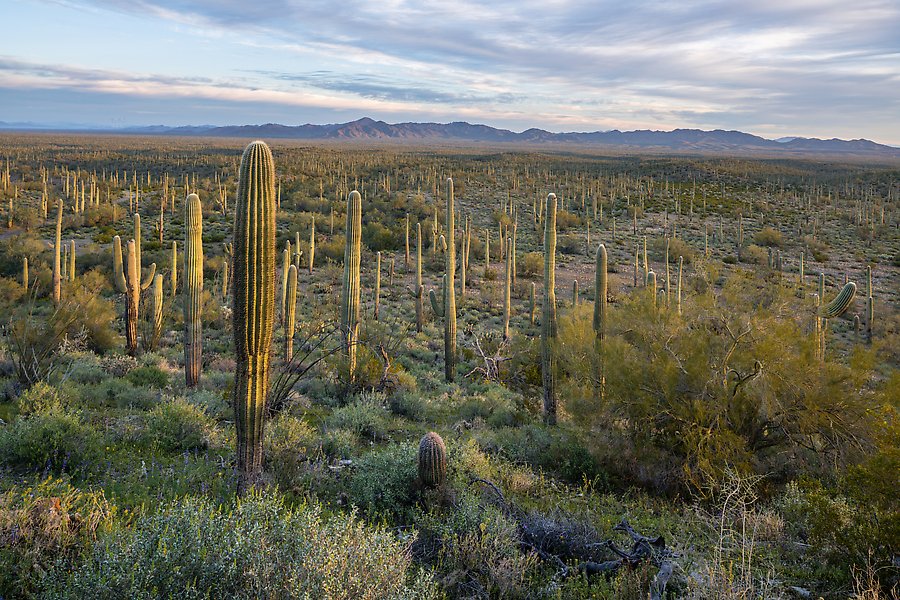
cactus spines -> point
(377, 283)
(548, 316)
(350, 290)
(312, 244)
(290, 319)
(678, 286)
(173, 272)
(157, 312)
(600, 291)
(254, 304)
(450, 291)
(841, 303)
(71, 260)
(506, 292)
(432, 461)
(420, 289)
(57, 249)
(193, 289)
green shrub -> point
(289, 443)
(119, 393)
(554, 450)
(530, 264)
(48, 524)
(366, 417)
(148, 376)
(178, 425)
(768, 236)
(56, 441)
(254, 549)
(384, 481)
(41, 398)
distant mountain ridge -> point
(683, 140)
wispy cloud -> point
(820, 67)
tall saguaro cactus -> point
(420, 289)
(312, 244)
(193, 289)
(254, 304)
(57, 249)
(548, 314)
(350, 290)
(600, 292)
(450, 291)
(290, 318)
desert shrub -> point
(57, 441)
(569, 244)
(11, 294)
(339, 443)
(531, 264)
(148, 376)
(768, 236)
(41, 398)
(119, 393)
(178, 425)
(289, 442)
(256, 548)
(87, 314)
(384, 481)
(332, 248)
(45, 525)
(366, 417)
(566, 220)
(754, 255)
(496, 405)
(554, 450)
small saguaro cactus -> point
(285, 264)
(678, 287)
(600, 292)
(432, 461)
(312, 244)
(351, 289)
(254, 304)
(651, 285)
(377, 283)
(548, 316)
(57, 249)
(193, 289)
(420, 289)
(450, 291)
(532, 305)
(156, 332)
(128, 282)
(25, 273)
(290, 319)
(71, 260)
(506, 291)
(173, 270)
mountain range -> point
(678, 140)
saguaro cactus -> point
(450, 291)
(128, 282)
(841, 303)
(351, 289)
(312, 244)
(377, 283)
(57, 249)
(71, 260)
(548, 314)
(678, 288)
(156, 333)
(193, 289)
(600, 292)
(432, 461)
(173, 272)
(506, 292)
(25, 273)
(420, 289)
(254, 304)
(290, 319)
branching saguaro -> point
(254, 305)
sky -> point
(812, 68)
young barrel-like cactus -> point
(254, 304)
(548, 315)
(351, 289)
(432, 461)
(193, 290)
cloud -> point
(821, 67)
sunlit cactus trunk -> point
(420, 289)
(193, 290)
(548, 315)
(254, 305)
(57, 249)
(450, 291)
(290, 320)
(351, 288)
